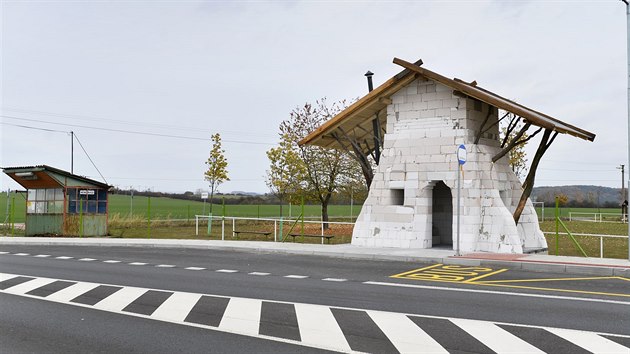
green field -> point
(167, 208)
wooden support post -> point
(528, 185)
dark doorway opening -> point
(442, 222)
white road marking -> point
(63, 257)
(479, 291)
(176, 307)
(137, 263)
(405, 335)
(242, 315)
(111, 261)
(165, 266)
(258, 273)
(3, 252)
(25, 287)
(69, 293)
(335, 279)
(293, 276)
(120, 299)
(87, 259)
(495, 337)
(22, 254)
(194, 268)
(589, 341)
(226, 271)
(42, 255)
(318, 325)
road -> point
(166, 300)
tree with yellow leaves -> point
(217, 167)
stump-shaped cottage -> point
(417, 119)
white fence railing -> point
(277, 223)
(596, 217)
(601, 239)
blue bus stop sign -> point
(461, 154)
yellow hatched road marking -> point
(543, 280)
(553, 289)
(485, 276)
(402, 275)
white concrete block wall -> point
(425, 124)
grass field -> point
(167, 208)
(123, 224)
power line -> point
(88, 156)
(119, 121)
(35, 128)
(132, 131)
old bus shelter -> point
(61, 203)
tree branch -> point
(512, 143)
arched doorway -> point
(442, 215)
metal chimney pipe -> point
(369, 75)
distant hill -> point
(579, 196)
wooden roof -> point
(43, 176)
(356, 120)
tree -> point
(317, 172)
(516, 156)
(217, 166)
(286, 172)
(563, 199)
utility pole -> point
(623, 193)
(72, 152)
(628, 75)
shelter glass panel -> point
(44, 201)
(87, 201)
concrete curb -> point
(383, 254)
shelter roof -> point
(43, 176)
(356, 120)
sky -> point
(144, 84)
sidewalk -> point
(534, 262)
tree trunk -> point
(325, 215)
(528, 185)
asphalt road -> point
(598, 304)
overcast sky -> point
(194, 68)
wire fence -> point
(278, 228)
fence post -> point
(601, 247)
(275, 230)
(557, 223)
(209, 224)
(80, 217)
(197, 225)
(12, 215)
(149, 216)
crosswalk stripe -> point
(405, 335)
(495, 337)
(87, 259)
(42, 255)
(176, 307)
(242, 315)
(120, 299)
(111, 261)
(317, 325)
(25, 287)
(321, 326)
(71, 292)
(590, 341)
